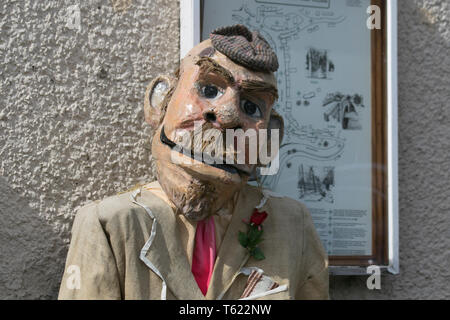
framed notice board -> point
(337, 85)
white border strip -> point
(392, 104)
(189, 25)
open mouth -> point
(230, 168)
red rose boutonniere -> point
(253, 237)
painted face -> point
(215, 93)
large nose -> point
(225, 114)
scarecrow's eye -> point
(251, 108)
(210, 91)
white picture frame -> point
(190, 35)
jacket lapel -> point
(231, 254)
(166, 252)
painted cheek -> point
(191, 107)
(202, 104)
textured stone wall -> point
(71, 127)
(71, 121)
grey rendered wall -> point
(72, 129)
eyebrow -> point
(208, 65)
(260, 86)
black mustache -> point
(166, 140)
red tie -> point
(204, 253)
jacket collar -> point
(166, 252)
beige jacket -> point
(122, 249)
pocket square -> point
(258, 283)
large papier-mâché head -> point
(223, 83)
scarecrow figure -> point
(200, 231)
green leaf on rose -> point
(259, 241)
(257, 254)
(243, 239)
(254, 235)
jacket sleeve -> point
(90, 271)
(314, 284)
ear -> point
(276, 122)
(155, 95)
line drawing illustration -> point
(318, 64)
(316, 184)
(344, 109)
(318, 145)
